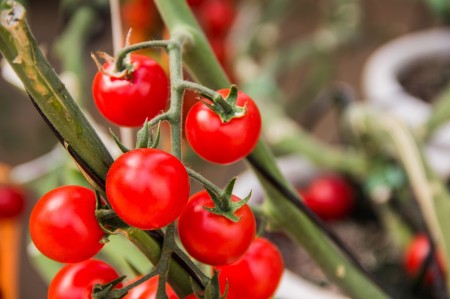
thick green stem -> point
(178, 278)
(205, 69)
(50, 97)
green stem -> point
(178, 278)
(205, 69)
(439, 115)
(50, 97)
(204, 181)
(122, 53)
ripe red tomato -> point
(63, 225)
(76, 281)
(128, 102)
(12, 201)
(138, 14)
(211, 238)
(256, 275)
(148, 289)
(415, 256)
(147, 188)
(219, 142)
(330, 197)
(216, 17)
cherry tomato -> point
(63, 225)
(211, 238)
(415, 256)
(147, 188)
(138, 14)
(216, 17)
(219, 142)
(330, 197)
(148, 289)
(12, 201)
(128, 102)
(256, 275)
(76, 281)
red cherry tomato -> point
(147, 188)
(211, 238)
(223, 143)
(216, 17)
(128, 102)
(256, 275)
(415, 256)
(138, 14)
(63, 225)
(76, 281)
(12, 201)
(148, 289)
(330, 197)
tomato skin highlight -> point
(330, 196)
(147, 188)
(12, 201)
(223, 143)
(214, 239)
(76, 281)
(256, 275)
(63, 225)
(129, 102)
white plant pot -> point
(382, 89)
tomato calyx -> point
(104, 291)
(123, 73)
(145, 138)
(212, 289)
(226, 108)
(223, 203)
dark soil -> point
(425, 79)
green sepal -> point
(226, 108)
(104, 291)
(212, 289)
(223, 203)
(122, 147)
(146, 139)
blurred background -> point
(313, 51)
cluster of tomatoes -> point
(148, 188)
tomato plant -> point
(147, 188)
(76, 281)
(12, 201)
(214, 239)
(63, 225)
(416, 254)
(130, 100)
(256, 275)
(223, 142)
(330, 197)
